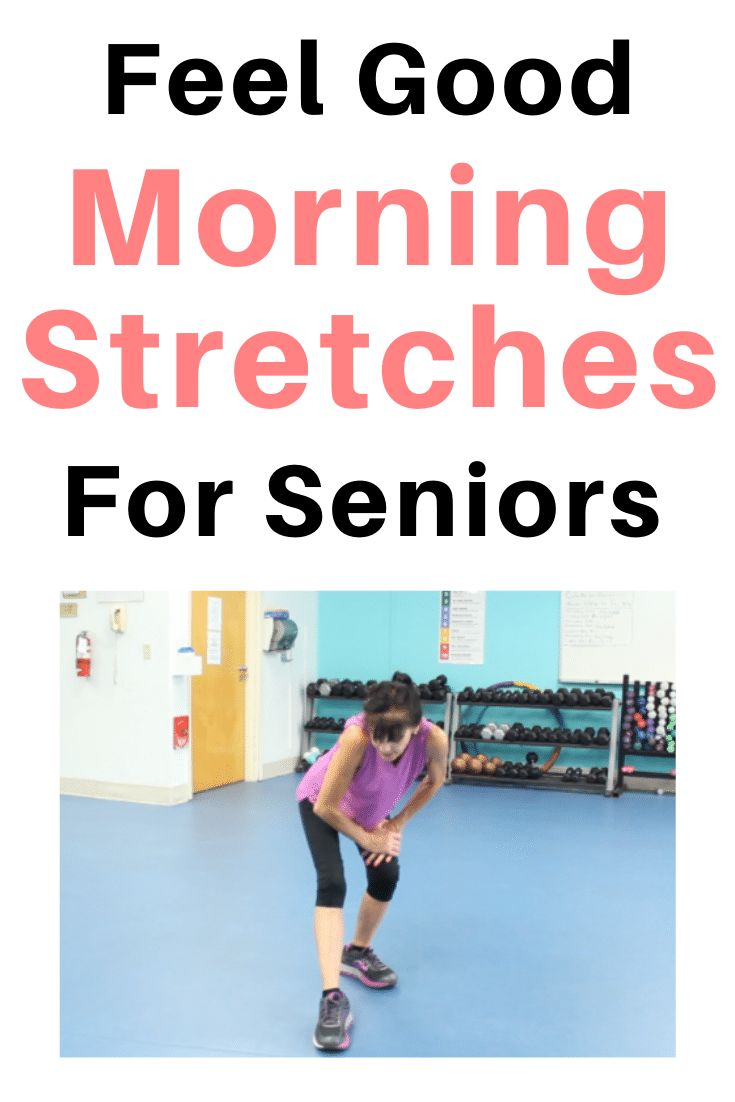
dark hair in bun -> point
(396, 695)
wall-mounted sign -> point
(462, 627)
(214, 631)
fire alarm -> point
(181, 732)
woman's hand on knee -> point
(385, 843)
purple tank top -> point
(378, 785)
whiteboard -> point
(607, 634)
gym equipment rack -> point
(630, 751)
(452, 708)
(552, 779)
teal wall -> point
(372, 634)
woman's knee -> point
(382, 880)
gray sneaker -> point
(365, 966)
(334, 1021)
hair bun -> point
(402, 677)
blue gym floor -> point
(526, 923)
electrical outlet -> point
(146, 650)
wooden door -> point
(218, 694)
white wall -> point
(117, 725)
(283, 683)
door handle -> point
(243, 672)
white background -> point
(676, 138)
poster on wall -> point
(462, 627)
(214, 631)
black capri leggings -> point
(325, 852)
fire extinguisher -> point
(84, 655)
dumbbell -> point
(438, 687)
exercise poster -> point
(410, 295)
(462, 627)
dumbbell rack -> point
(629, 751)
(313, 701)
(551, 779)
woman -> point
(351, 790)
